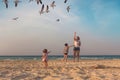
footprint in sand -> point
(21, 76)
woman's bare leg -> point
(74, 55)
(78, 55)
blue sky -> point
(97, 22)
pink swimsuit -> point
(45, 58)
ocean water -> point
(57, 57)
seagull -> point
(47, 9)
(65, 1)
(15, 18)
(30, 0)
(58, 20)
(16, 2)
(6, 3)
(53, 4)
(68, 8)
(39, 1)
(41, 12)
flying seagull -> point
(39, 1)
(15, 18)
(47, 9)
(65, 1)
(68, 8)
(16, 2)
(53, 4)
(41, 12)
(30, 0)
(6, 3)
(58, 20)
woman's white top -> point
(76, 43)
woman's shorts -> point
(76, 48)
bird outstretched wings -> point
(68, 8)
(53, 4)
(15, 18)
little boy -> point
(66, 51)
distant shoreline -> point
(57, 57)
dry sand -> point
(59, 70)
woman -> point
(77, 44)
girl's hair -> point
(66, 44)
(45, 51)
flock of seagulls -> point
(42, 10)
(47, 7)
(15, 2)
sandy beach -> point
(59, 70)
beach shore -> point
(59, 70)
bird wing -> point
(42, 9)
(65, 1)
(16, 4)
(40, 1)
(37, 1)
(6, 5)
(53, 2)
(47, 9)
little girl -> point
(45, 57)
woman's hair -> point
(78, 38)
(66, 44)
(45, 51)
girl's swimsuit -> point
(45, 58)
